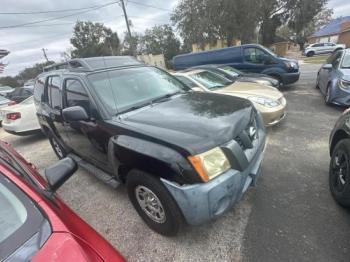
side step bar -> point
(101, 175)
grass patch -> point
(317, 59)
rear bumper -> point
(290, 78)
(202, 202)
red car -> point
(35, 224)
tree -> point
(302, 13)
(93, 39)
(132, 45)
(161, 40)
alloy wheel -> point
(57, 148)
(150, 204)
(340, 169)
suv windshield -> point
(123, 90)
(210, 80)
(346, 61)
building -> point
(208, 46)
(155, 60)
(337, 31)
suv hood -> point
(195, 121)
(246, 89)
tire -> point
(339, 173)
(140, 184)
(317, 86)
(327, 97)
(57, 148)
(310, 54)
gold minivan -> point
(268, 100)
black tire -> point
(327, 97)
(138, 181)
(339, 173)
(317, 86)
(57, 148)
(310, 54)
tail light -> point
(13, 116)
(11, 103)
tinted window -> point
(53, 90)
(318, 45)
(186, 81)
(120, 90)
(254, 55)
(76, 95)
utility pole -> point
(128, 27)
(44, 52)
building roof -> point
(333, 28)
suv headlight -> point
(264, 101)
(210, 164)
(344, 84)
(291, 64)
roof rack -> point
(94, 63)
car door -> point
(87, 139)
(329, 47)
(52, 107)
(325, 73)
(254, 60)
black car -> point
(184, 156)
(237, 75)
(339, 168)
(20, 94)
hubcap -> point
(57, 148)
(150, 204)
(340, 170)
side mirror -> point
(60, 172)
(74, 113)
(267, 59)
(197, 89)
(327, 66)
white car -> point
(4, 102)
(322, 48)
(21, 119)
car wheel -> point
(154, 203)
(339, 173)
(310, 54)
(327, 97)
(57, 148)
(317, 82)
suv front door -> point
(86, 138)
(254, 60)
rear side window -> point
(53, 92)
(39, 89)
(76, 95)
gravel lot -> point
(290, 216)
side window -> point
(254, 55)
(53, 92)
(76, 95)
(39, 89)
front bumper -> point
(340, 96)
(274, 115)
(290, 78)
(202, 202)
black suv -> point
(184, 156)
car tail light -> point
(11, 103)
(13, 116)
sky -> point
(26, 42)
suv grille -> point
(249, 134)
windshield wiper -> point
(162, 98)
(133, 108)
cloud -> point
(25, 43)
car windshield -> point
(346, 61)
(210, 80)
(268, 51)
(128, 89)
(232, 71)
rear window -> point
(186, 81)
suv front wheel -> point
(154, 203)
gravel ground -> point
(245, 232)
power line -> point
(57, 18)
(49, 11)
(151, 6)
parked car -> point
(322, 48)
(239, 76)
(184, 156)
(21, 119)
(268, 100)
(5, 90)
(339, 168)
(4, 102)
(20, 93)
(36, 225)
(333, 78)
(250, 58)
